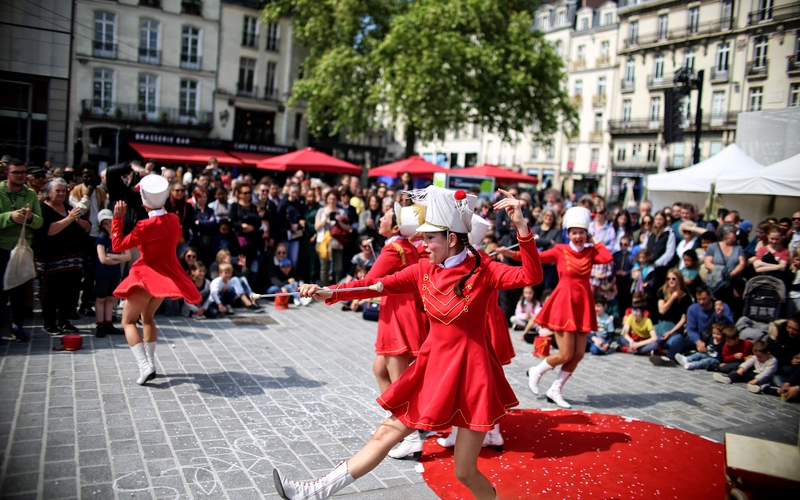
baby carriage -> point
(764, 301)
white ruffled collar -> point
(156, 213)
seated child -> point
(538, 331)
(638, 333)
(757, 370)
(285, 281)
(599, 341)
(526, 310)
(609, 291)
(207, 307)
(226, 290)
(709, 359)
(735, 350)
(359, 272)
(239, 266)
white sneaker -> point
(319, 489)
(409, 448)
(681, 359)
(450, 440)
(304, 301)
(296, 302)
(554, 396)
(755, 388)
(722, 378)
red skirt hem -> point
(457, 419)
(122, 292)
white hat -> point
(154, 190)
(409, 218)
(104, 214)
(579, 217)
(445, 210)
(480, 227)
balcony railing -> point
(106, 50)
(599, 100)
(149, 56)
(636, 162)
(578, 64)
(271, 94)
(128, 112)
(663, 81)
(757, 69)
(193, 7)
(627, 85)
(681, 33)
(793, 64)
(719, 75)
(635, 126)
(774, 14)
(602, 61)
(596, 136)
(576, 100)
(190, 61)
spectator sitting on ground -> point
(239, 267)
(784, 344)
(600, 341)
(227, 290)
(735, 350)
(527, 308)
(706, 240)
(699, 318)
(756, 370)
(638, 333)
(673, 302)
(609, 291)
(207, 307)
(366, 257)
(285, 280)
(710, 359)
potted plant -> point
(118, 113)
(164, 116)
(143, 117)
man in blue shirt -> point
(700, 315)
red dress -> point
(497, 326)
(158, 270)
(401, 320)
(570, 308)
(457, 378)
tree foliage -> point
(427, 65)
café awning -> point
(176, 154)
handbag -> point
(20, 268)
(371, 310)
(342, 236)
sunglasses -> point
(795, 218)
(244, 192)
(688, 232)
(39, 176)
(190, 256)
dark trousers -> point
(87, 285)
(59, 294)
(747, 377)
(18, 295)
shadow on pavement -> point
(235, 384)
(636, 400)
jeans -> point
(677, 343)
(227, 298)
(241, 286)
(747, 377)
(784, 373)
(700, 361)
(594, 348)
(16, 295)
(290, 287)
(325, 267)
(293, 248)
(645, 349)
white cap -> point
(409, 218)
(579, 217)
(154, 190)
(104, 214)
(445, 210)
(480, 227)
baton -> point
(377, 287)
(507, 248)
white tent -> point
(693, 184)
(773, 192)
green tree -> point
(427, 65)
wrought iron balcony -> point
(757, 69)
(576, 100)
(190, 61)
(149, 56)
(256, 92)
(681, 33)
(719, 75)
(793, 65)
(635, 163)
(137, 113)
(635, 126)
(599, 100)
(627, 85)
(774, 14)
(106, 50)
(660, 82)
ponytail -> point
(464, 239)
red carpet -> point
(570, 454)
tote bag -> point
(21, 268)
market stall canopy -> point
(310, 160)
(779, 179)
(415, 165)
(698, 178)
(177, 154)
(499, 174)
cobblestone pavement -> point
(234, 400)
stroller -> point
(764, 300)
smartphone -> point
(332, 216)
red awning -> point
(500, 174)
(250, 159)
(414, 165)
(310, 160)
(174, 154)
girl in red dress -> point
(155, 276)
(569, 312)
(456, 379)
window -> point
(562, 18)
(694, 20)
(104, 45)
(298, 124)
(194, 7)
(148, 42)
(764, 10)
(103, 94)
(621, 150)
(756, 96)
(250, 32)
(475, 131)
(190, 48)
(470, 159)
(535, 152)
(581, 52)
(598, 122)
(686, 109)
(609, 19)
(727, 14)
(147, 95)
(655, 108)
(578, 88)
(601, 85)
(658, 68)
(633, 37)
(760, 52)
(247, 72)
(626, 110)
(636, 152)
(572, 154)
(688, 60)
(677, 154)
(718, 104)
(559, 48)
(272, 37)
(604, 48)
(550, 150)
(584, 24)
(723, 56)
(715, 148)
(595, 156)
(662, 27)
(270, 90)
(652, 152)
(188, 98)
(545, 22)
(630, 67)
(453, 160)
(794, 94)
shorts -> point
(104, 287)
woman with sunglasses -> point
(176, 204)
(246, 222)
(674, 300)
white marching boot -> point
(319, 489)
(450, 440)
(409, 448)
(554, 392)
(494, 439)
(150, 351)
(535, 374)
(145, 371)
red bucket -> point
(72, 342)
(282, 302)
(541, 346)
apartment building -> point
(35, 62)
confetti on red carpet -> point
(569, 454)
